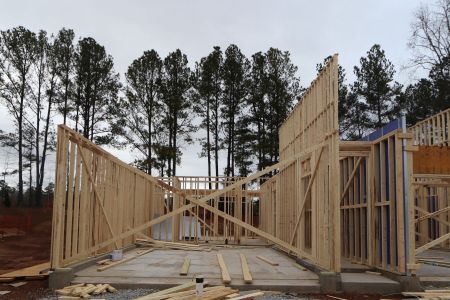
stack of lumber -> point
(82, 290)
(171, 245)
(39, 271)
(187, 292)
(429, 294)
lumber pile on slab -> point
(39, 271)
(82, 290)
(187, 292)
(170, 245)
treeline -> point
(238, 102)
(234, 103)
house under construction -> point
(337, 208)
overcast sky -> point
(309, 30)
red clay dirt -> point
(32, 248)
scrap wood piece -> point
(152, 241)
(17, 284)
(426, 294)
(185, 267)
(265, 259)
(189, 293)
(179, 288)
(37, 270)
(4, 292)
(248, 296)
(213, 295)
(104, 261)
(101, 288)
(123, 260)
(373, 273)
(232, 295)
(245, 270)
(299, 267)
(334, 297)
(223, 267)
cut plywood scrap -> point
(185, 266)
(4, 292)
(245, 270)
(123, 260)
(248, 296)
(223, 268)
(179, 288)
(265, 259)
(37, 270)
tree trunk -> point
(208, 142)
(40, 183)
(20, 142)
(175, 129)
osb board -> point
(432, 160)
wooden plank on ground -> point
(28, 272)
(185, 267)
(245, 270)
(175, 289)
(223, 267)
(248, 296)
(265, 259)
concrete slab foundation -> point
(160, 269)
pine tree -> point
(235, 75)
(418, 101)
(208, 83)
(140, 111)
(283, 88)
(17, 55)
(177, 107)
(376, 86)
(258, 113)
(64, 51)
(96, 86)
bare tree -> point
(430, 39)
